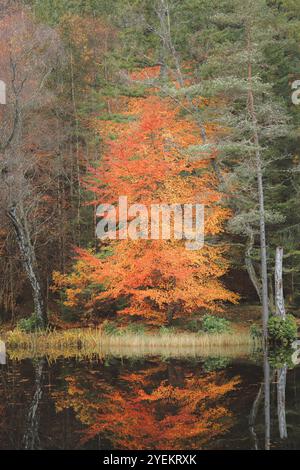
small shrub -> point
(212, 324)
(255, 332)
(282, 331)
(136, 329)
(28, 325)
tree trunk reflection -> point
(31, 438)
(281, 385)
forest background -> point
(163, 101)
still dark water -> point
(147, 403)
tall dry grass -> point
(89, 342)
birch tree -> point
(29, 53)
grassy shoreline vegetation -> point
(85, 342)
(237, 334)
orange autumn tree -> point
(146, 158)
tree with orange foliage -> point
(146, 157)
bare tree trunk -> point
(252, 417)
(259, 176)
(267, 403)
(271, 295)
(2, 353)
(29, 262)
(264, 389)
(279, 299)
(282, 371)
(78, 176)
(166, 40)
(31, 440)
(281, 385)
(249, 265)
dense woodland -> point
(162, 101)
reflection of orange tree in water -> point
(145, 410)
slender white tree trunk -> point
(31, 439)
(29, 262)
(282, 371)
(279, 298)
(259, 176)
(281, 386)
(2, 353)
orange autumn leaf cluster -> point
(146, 73)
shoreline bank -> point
(88, 342)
